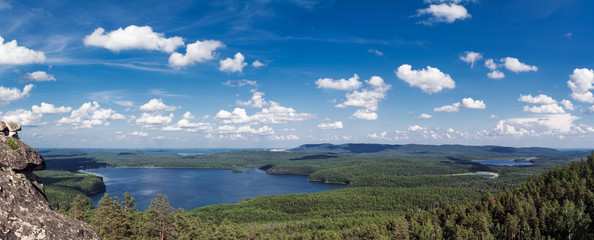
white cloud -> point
(140, 134)
(466, 103)
(23, 117)
(364, 114)
(490, 64)
(550, 124)
(424, 116)
(290, 137)
(197, 52)
(367, 98)
(334, 125)
(38, 76)
(258, 64)
(185, 124)
(445, 12)
(545, 108)
(514, 65)
(430, 80)
(90, 114)
(133, 37)
(257, 101)
(495, 75)
(340, 84)
(540, 99)
(471, 57)
(493, 116)
(416, 128)
(567, 105)
(11, 53)
(245, 129)
(376, 52)
(580, 82)
(240, 83)
(46, 108)
(455, 107)
(157, 105)
(234, 64)
(8, 95)
(154, 119)
(473, 104)
(275, 113)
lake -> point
(193, 188)
(503, 162)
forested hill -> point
(557, 205)
(358, 148)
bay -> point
(193, 188)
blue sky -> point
(276, 74)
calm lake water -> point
(192, 188)
(503, 163)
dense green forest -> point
(421, 195)
(559, 204)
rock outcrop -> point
(24, 210)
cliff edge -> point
(24, 210)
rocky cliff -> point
(24, 210)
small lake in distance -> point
(503, 162)
(193, 188)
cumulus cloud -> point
(334, 125)
(545, 108)
(12, 53)
(455, 107)
(367, 98)
(549, 124)
(34, 117)
(567, 105)
(245, 129)
(445, 12)
(157, 105)
(133, 37)
(540, 99)
(124, 103)
(364, 114)
(38, 76)
(416, 128)
(257, 101)
(275, 113)
(490, 64)
(430, 80)
(340, 84)
(23, 117)
(90, 114)
(466, 103)
(154, 119)
(240, 83)
(514, 65)
(473, 104)
(471, 57)
(197, 52)
(8, 95)
(186, 124)
(495, 75)
(580, 82)
(258, 64)
(46, 108)
(424, 116)
(234, 64)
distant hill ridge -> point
(362, 148)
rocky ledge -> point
(24, 210)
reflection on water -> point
(192, 188)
